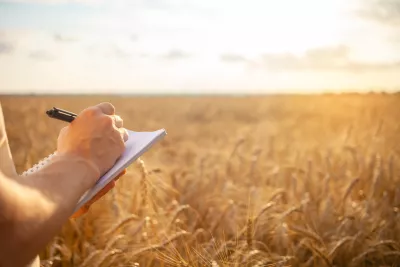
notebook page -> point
(135, 146)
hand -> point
(99, 195)
(97, 136)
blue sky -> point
(195, 46)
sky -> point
(198, 46)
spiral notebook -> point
(136, 145)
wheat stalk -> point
(121, 224)
(91, 257)
(160, 246)
(143, 186)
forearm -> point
(34, 208)
(6, 161)
(64, 180)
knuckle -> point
(119, 119)
(108, 106)
(107, 121)
(91, 112)
(126, 135)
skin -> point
(34, 208)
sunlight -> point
(194, 46)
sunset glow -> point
(197, 46)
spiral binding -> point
(39, 165)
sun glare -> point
(192, 46)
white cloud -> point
(321, 59)
(234, 58)
(385, 12)
(176, 54)
(52, 2)
(6, 48)
(41, 55)
(125, 44)
(64, 38)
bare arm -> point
(34, 210)
(28, 216)
(6, 161)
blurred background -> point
(282, 119)
(198, 46)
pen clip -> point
(61, 114)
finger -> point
(106, 108)
(62, 132)
(124, 134)
(64, 129)
(119, 123)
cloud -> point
(174, 6)
(386, 12)
(233, 58)
(41, 55)
(114, 51)
(157, 4)
(322, 59)
(91, 2)
(6, 48)
(336, 58)
(176, 54)
(107, 50)
(134, 37)
(147, 4)
(64, 39)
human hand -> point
(85, 208)
(96, 135)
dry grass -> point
(274, 181)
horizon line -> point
(88, 94)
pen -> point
(60, 114)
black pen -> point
(61, 114)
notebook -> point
(136, 145)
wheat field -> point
(238, 181)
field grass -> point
(251, 181)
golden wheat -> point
(320, 173)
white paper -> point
(137, 144)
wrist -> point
(64, 179)
(79, 164)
